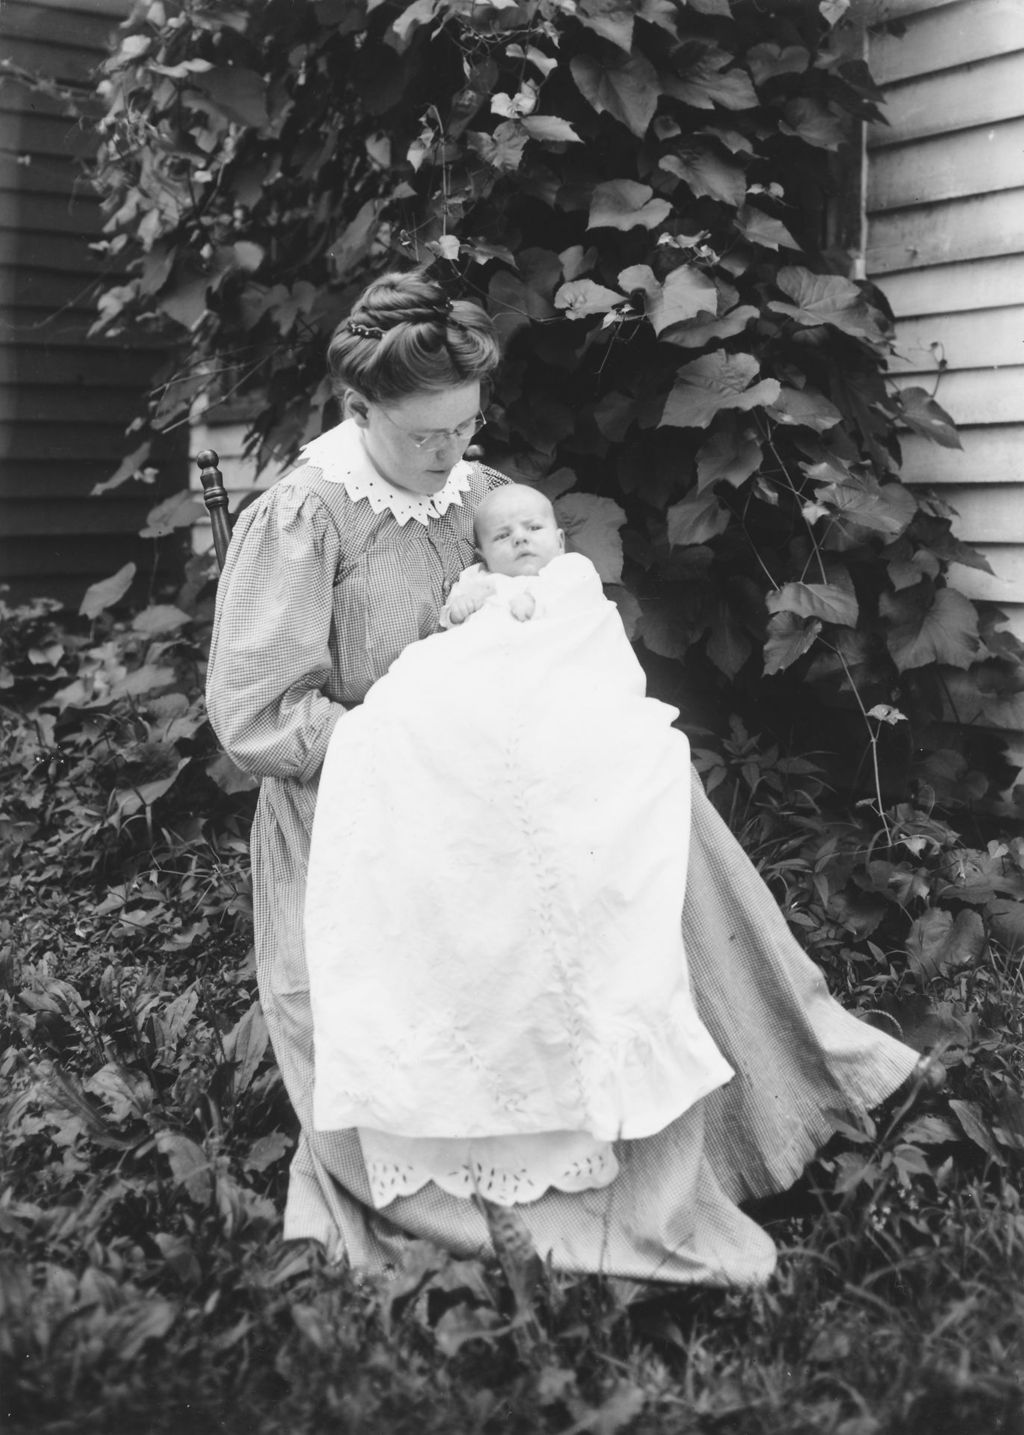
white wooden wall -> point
(945, 241)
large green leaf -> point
(625, 89)
(705, 82)
(593, 527)
(768, 60)
(930, 625)
(939, 942)
(706, 173)
(611, 18)
(805, 407)
(696, 519)
(812, 122)
(685, 293)
(827, 299)
(108, 591)
(886, 508)
(181, 510)
(760, 228)
(697, 332)
(581, 298)
(550, 129)
(920, 412)
(712, 383)
(826, 601)
(239, 94)
(625, 204)
(789, 637)
(731, 455)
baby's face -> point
(516, 531)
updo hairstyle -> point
(405, 336)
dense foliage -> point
(145, 1134)
(640, 191)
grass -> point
(145, 1139)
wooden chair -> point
(215, 496)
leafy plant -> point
(639, 193)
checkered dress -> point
(319, 594)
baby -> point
(517, 535)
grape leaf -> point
(706, 83)
(239, 94)
(582, 297)
(624, 204)
(920, 412)
(731, 455)
(714, 382)
(550, 129)
(706, 173)
(826, 601)
(697, 332)
(107, 592)
(768, 60)
(697, 518)
(930, 626)
(181, 510)
(611, 18)
(804, 407)
(810, 121)
(827, 299)
(626, 89)
(685, 293)
(789, 637)
(592, 527)
(886, 508)
(760, 228)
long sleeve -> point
(270, 656)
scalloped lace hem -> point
(508, 1170)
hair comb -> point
(364, 331)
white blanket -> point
(495, 884)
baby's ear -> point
(561, 540)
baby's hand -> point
(463, 607)
(522, 606)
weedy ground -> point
(145, 1136)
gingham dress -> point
(318, 596)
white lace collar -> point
(340, 456)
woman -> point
(329, 576)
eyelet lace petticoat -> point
(508, 1170)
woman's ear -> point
(357, 407)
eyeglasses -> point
(436, 438)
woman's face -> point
(415, 442)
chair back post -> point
(215, 496)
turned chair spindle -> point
(215, 497)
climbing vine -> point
(640, 192)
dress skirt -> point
(672, 1213)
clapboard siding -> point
(994, 452)
(981, 226)
(945, 243)
(947, 289)
(66, 398)
(975, 339)
(984, 160)
(979, 94)
(944, 37)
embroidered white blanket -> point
(496, 878)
